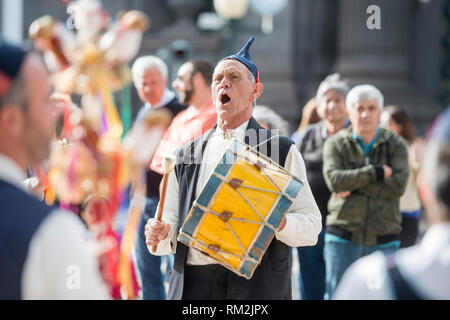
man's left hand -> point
(282, 224)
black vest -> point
(20, 216)
(271, 279)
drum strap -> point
(265, 141)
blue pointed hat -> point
(244, 57)
(11, 59)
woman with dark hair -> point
(398, 121)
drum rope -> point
(267, 140)
(264, 221)
(201, 243)
(264, 156)
(257, 212)
(242, 220)
(282, 170)
(218, 215)
(224, 179)
(280, 192)
(238, 241)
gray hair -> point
(145, 63)
(251, 77)
(363, 93)
(332, 82)
(17, 94)
(267, 115)
(253, 81)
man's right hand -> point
(387, 171)
(155, 231)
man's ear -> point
(258, 89)
(11, 120)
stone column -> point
(315, 25)
(315, 42)
(375, 55)
(381, 57)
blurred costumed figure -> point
(93, 161)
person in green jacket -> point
(366, 169)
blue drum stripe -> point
(293, 188)
(184, 239)
(255, 252)
(277, 214)
(248, 268)
(209, 191)
(192, 221)
(264, 238)
(227, 162)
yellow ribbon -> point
(129, 239)
(115, 127)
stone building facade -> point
(311, 39)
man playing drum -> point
(235, 88)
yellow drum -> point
(238, 211)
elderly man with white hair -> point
(366, 169)
(421, 271)
(150, 77)
(196, 276)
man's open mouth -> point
(224, 98)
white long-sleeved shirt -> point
(425, 267)
(59, 264)
(303, 220)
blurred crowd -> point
(382, 191)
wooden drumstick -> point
(169, 161)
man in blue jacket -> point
(43, 251)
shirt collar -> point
(11, 173)
(165, 99)
(239, 131)
(368, 147)
(361, 140)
